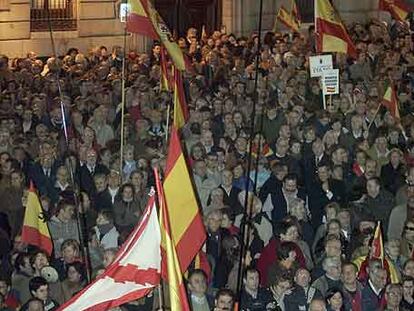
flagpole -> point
(121, 151)
(84, 247)
(375, 116)
(245, 233)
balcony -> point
(59, 14)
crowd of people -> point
(308, 185)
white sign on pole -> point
(330, 82)
(318, 64)
(124, 10)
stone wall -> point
(98, 24)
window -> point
(61, 14)
(306, 10)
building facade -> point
(25, 24)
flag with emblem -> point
(134, 273)
(35, 230)
(145, 20)
(295, 12)
(331, 35)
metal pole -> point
(84, 244)
(121, 156)
(247, 215)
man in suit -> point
(43, 173)
(278, 203)
(373, 292)
(311, 163)
(231, 193)
(88, 170)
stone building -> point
(24, 24)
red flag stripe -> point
(336, 30)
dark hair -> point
(250, 269)
(34, 255)
(331, 292)
(108, 214)
(284, 249)
(283, 227)
(225, 292)
(19, 261)
(36, 282)
(79, 267)
(350, 263)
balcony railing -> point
(61, 14)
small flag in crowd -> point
(181, 113)
(397, 8)
(288, 19)
(390, 101)
(35, 230)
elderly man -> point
(332, 276)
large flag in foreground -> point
(390, 101)
(145, 20)
(187, 228)
(170, 265)
(181, 113)
(35, 230)
(397, 8)
(135, 271)
(331, 35)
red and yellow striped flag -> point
(181, 113)
(187, 228)
(170, 263)
(377, 245)
(397, 8)
(331, 35)
(165, 76)
(142, 17)
(138, 21)
(390, 101)
(35, 230)
(287, 19)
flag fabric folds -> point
(377, 245)
(165, 84)
(180, 105)
(288, 19)
(295, 12)
(35, 230)
(331, 35)
(397, 8)
(134, 273)
(187, 228)
(170, 264)
(390, 101)
(145, 20)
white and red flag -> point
(135, 271)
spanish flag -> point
(390, 101)
(287, 19)
(187, 228)
(35, 230)
(170, 263)
(397, 8)
(180, 104)
(145, 20)
(331, 35)
(377, 252)
(165, 76)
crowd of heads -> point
(291, 185)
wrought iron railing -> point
(61, 14)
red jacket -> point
(268, 257)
